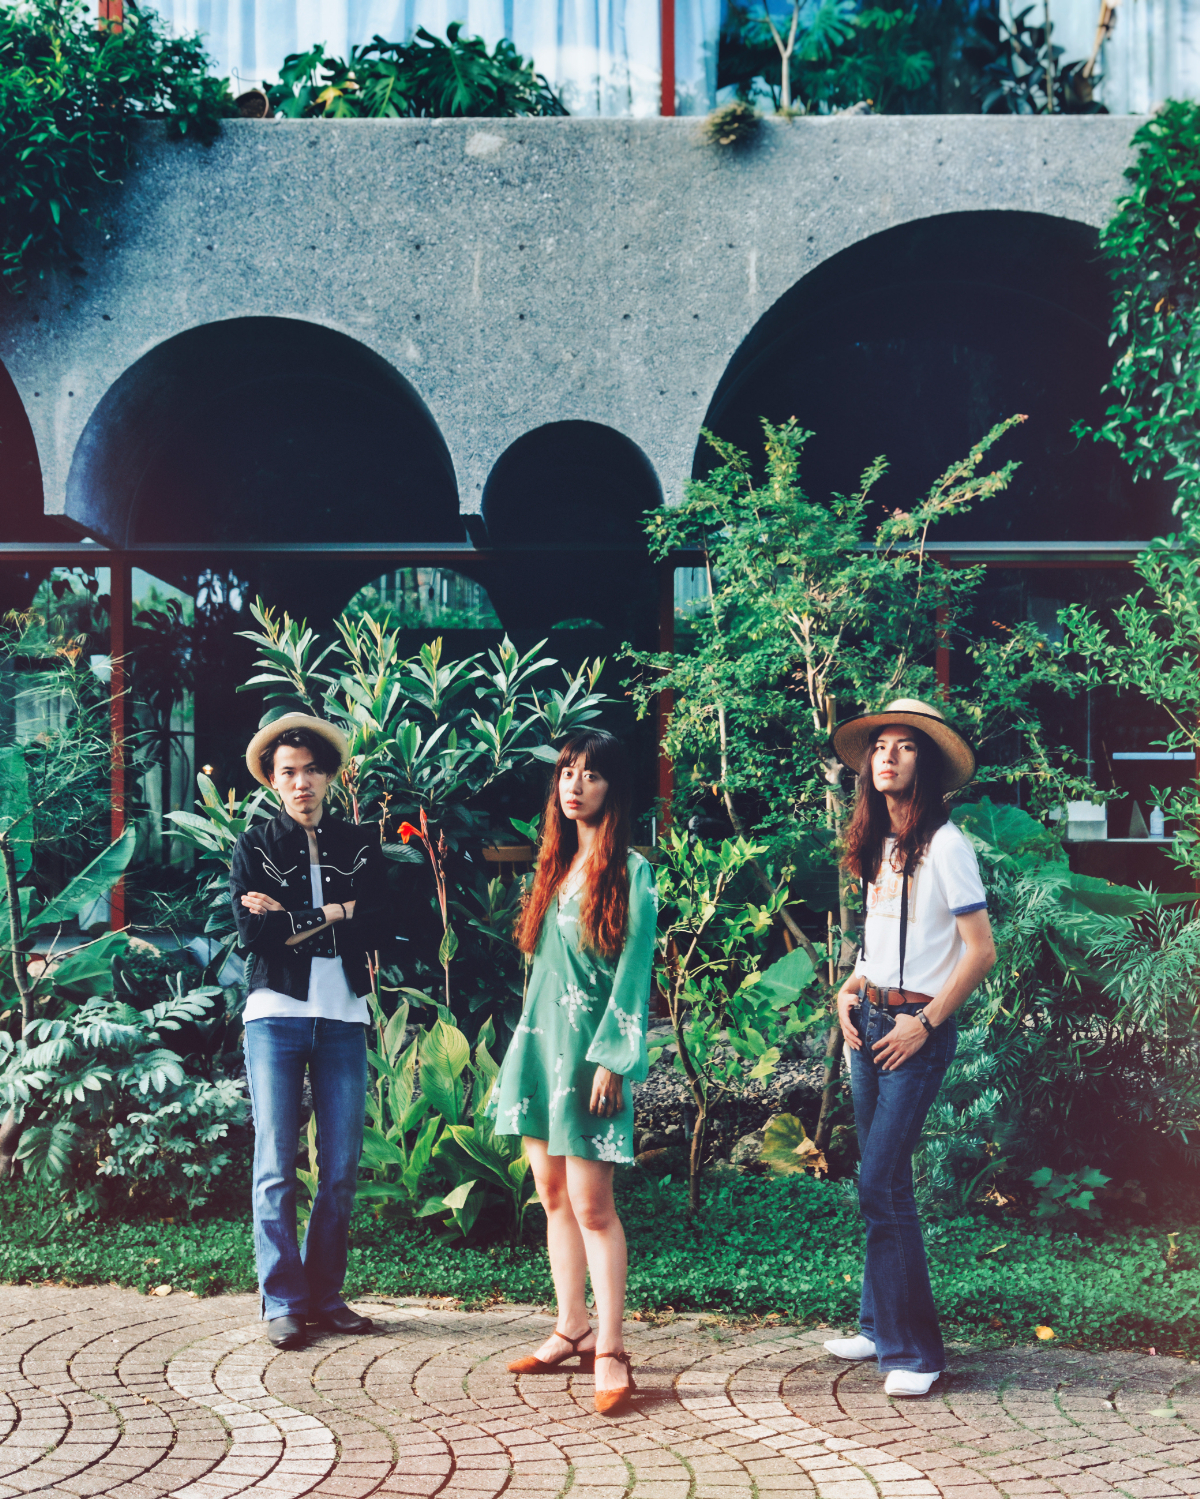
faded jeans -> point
(299, 1281)
(897, 1312)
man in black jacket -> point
(309, 900)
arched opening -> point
(914, 342)
(22, 517)
(261, 433)
(569, 498)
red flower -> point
(407, 831)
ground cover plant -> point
(787, 1247)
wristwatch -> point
(924, 1019)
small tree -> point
(817, 609)
(730, 1016)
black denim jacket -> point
(272, 858)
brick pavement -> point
(103, 1391)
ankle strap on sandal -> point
(574, 1342)
(621, 1358)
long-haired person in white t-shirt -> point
(927, 943)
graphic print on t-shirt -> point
(883, 897)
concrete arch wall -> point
(243, 429)
(519, 273)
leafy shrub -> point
(789, 1246)
(1019, 70)
(421, 78)
(1149, 247)
(1078, 1050)
(430, 1149)
(110, 1112)
(70, 95)
(447, 739)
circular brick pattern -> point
(107, 1392)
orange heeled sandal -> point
(607, 1401)
(531, 1365)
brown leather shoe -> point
(608, 1401)
(531, 1365)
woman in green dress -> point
(589, 924)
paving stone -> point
(423, 1409)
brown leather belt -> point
(881, 997)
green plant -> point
(421, 78)
(214, 831)
(813, 611)
(1019, 69)
(827, 57)
(428, 1147)
(1149, 248)
(1146, 648)
(71, 93)
(434, 739)
(1079, 1046)
(731, 1017)
(1073, 1193)
(97, 1085)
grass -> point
(790, 1247)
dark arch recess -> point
(914, 342)
(570, 497)
(22, 517)
(263, 430)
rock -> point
(746, 1154)
(664, 1161)
(652, 1140)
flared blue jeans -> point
(897, 1312)
(304, 1280)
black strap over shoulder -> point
(904, 879)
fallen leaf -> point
(1044, 1333)
(161, 1291)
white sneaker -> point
(908, 1383)
(851, 1348)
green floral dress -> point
(581, 1012)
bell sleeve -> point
(620, 1040)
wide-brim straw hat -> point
(852, 739)
(271, 731)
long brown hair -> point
(604, 912)
(871, 823)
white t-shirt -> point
(944, 885)
(330, 997)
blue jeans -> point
(304, 1281)
(897, 1313)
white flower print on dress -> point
(573, 999)
(608, 1148)
(515, 1115)
(630, 1027)
(529, 1030)
(560, 1092)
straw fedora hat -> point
(851, 739)
(271, 731)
